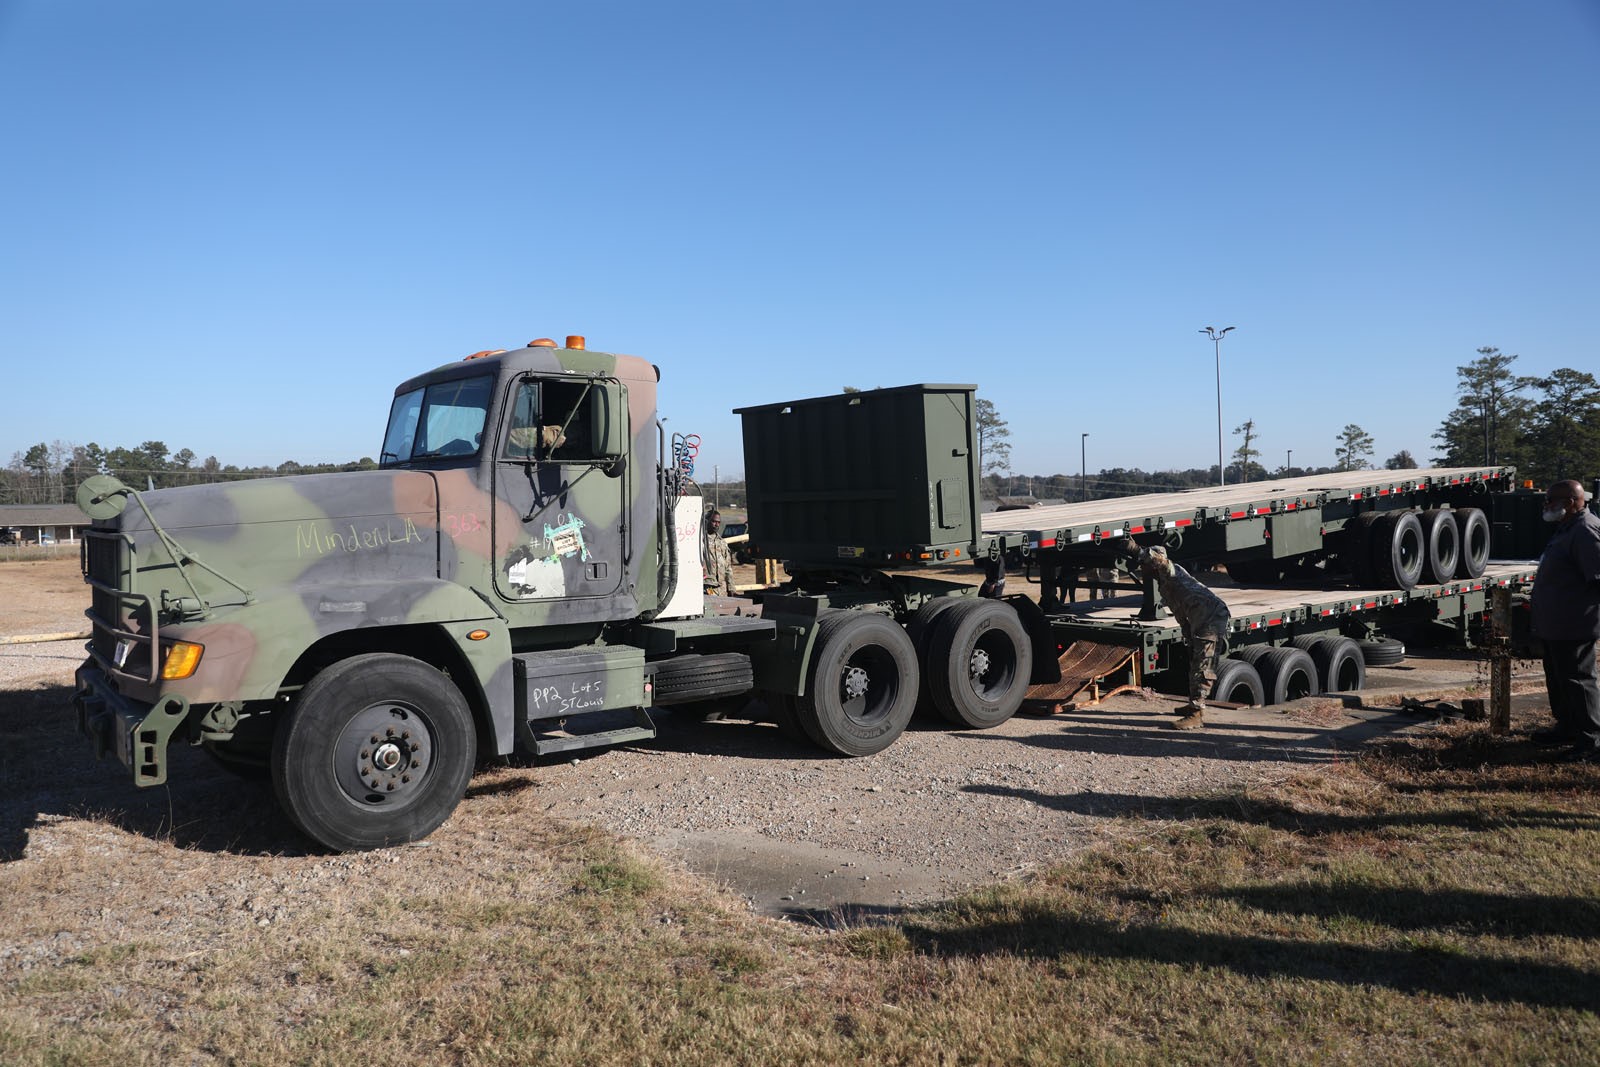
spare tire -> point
(1474, 526)
(1383, 652)
(1398, 551)
(1443, 541)
(691, 678)
(1287, 674)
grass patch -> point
(1432, 900)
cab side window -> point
(551, 420)
(523, 440)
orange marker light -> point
(478, 635)
(182, 659)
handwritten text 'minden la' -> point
(310, 537)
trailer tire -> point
(1356, 549)
(1474, 526)
(1398, 549)
(1238, 683)
(1443, 538)
(981, 660)
(862, 684)
(1250, 654)
(1341, 667)
(1287, 673)
(324, 762)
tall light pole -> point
(1216, 346)
(1083, 468)
(1288, 461)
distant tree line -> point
(51, 473)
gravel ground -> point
(789, 830)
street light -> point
(1083, 469)
(1216, 345)
(1288, 461)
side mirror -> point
(608, 421)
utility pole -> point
(716, 487)
(1216, 346)
(1288, 461)
(1083, 467)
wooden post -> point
(1500, 660)
(766, 571)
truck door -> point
(563, 546)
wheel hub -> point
(383, 754)
(978, 666)
(855, 683)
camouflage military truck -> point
(522, 574)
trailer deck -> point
(1337, 494)
(1277, 614)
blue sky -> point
(234, 227)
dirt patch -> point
(42, 597)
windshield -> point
(442, 419)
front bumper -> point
(137, 732)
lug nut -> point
(389, 787)
(405, 778)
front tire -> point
(378, 752)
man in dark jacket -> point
(1566, 618)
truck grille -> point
(102, 565)
(117, 609)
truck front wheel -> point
(378, 751)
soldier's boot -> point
(1191, 716)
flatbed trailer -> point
(1111, 643)
(1268, 530)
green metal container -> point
(881, 478)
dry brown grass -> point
(1432, 900)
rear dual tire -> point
(861, 687)
(978, 663)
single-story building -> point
(41, 524)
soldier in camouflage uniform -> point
(1204, 619)
(716, 557)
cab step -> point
(643, 728)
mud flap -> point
(1037, 627)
